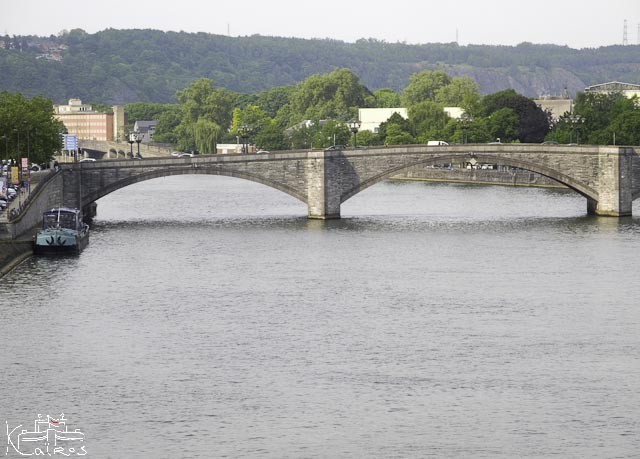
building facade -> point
(557, 106)
(146, 129)
(82, 121)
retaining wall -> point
(495, 177)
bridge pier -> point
(615, 185)
(323, 200)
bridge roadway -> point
(608, 177)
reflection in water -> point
(208, 318)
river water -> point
(209, 318)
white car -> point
(88, 160)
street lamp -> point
(576, 121)
(26, 128)
(131, 139)
(243, 130)
(18, 143)
(3, 162)
(354, 125)
(138, 137)
(465, 122)
(6, 146)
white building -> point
(371, 118)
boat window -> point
(63, 219)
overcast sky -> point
(576, 23)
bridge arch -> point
(159, 173)
(559, 177)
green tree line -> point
(315, 114)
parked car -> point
(88, 160)
(262, 151)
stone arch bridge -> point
(608, 177)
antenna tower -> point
(625, 42)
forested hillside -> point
(121, 66)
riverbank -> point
(14, 252)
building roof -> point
(145, 126)
(613, 86)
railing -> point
(14, 213)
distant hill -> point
(121, 66)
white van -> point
(432, 143)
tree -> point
(330, 96)
(395, 131)
(599, 119)
(597, 112)
(144, 111)
(28, 128)
(270, 137)
(168, 121)
(201, 101)
(272, 100)
(368, 138)
(427, 118)
(626, 128)
(206, 135)
(331, 132)
(424, 86)
(503, 124)
(461, 92)
(386, 98)
(533, 122)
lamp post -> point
(131, 139)
(243, 130)
(26, 128)
(18, 143)
(576, 121)
(354, 125)
(3, 162)
(465, 122)
(6, 146)
(138, 138)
